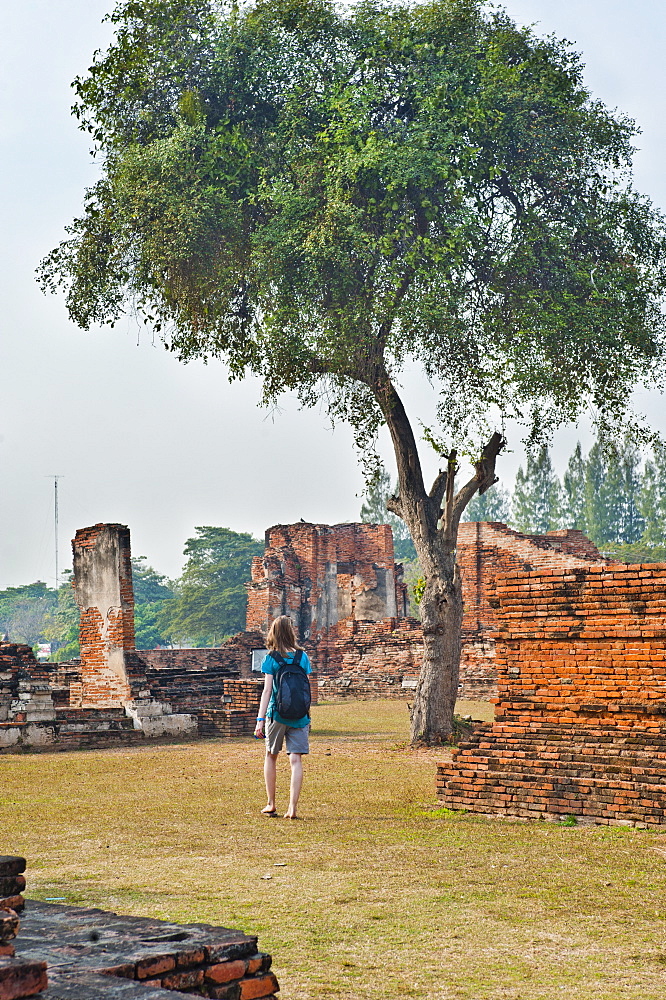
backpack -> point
(292, 687)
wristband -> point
(261, 720)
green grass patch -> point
(378, 894)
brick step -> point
(89, 714)
(120, 724)
(571, 734)
(552, 782)
(598, 758)
(95, 738)
(608, 772)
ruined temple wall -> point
(234, 657)
(321, 574)
(104, 594)
(580, 724)
(370, 659)
(326, 577)
(587, 646)
(485, 551)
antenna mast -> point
(55, 512)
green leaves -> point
(210, 596)
(310, 192)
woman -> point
(283, 651)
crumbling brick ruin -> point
(71, 953)
(486, 549)
(345, 593)
(342, 588)
(580, 723)
(114, 694)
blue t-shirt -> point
(271, 666)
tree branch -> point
(483, 479)
(438, 489)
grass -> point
(379, 894)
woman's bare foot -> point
(269, 810)
(290, 815)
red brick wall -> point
(485, 550)
(371, 659)
(374, 657)
(580, 724)
(320, 574)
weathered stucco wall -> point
(103, 589)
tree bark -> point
(433, 520)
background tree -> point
(375, 511)
(537, 496)
(652, 498)
(210, 597)
(150, 590)
(318, 194)
(573, 493)
(61, 627)
(494, 505)
(25, 611)
(612, 493)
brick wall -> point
(320, 574)
(216, 685)
(315, 573)
(371, 659)
(111, 957)
(580, 722)
(485, 550)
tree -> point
(375, 511)
(537, 496)
(494, 505)
(612, 493)
(210, 596)
(652, 499)
(25, 611)
(61, 627)
(573, 503)
(150, 590)
(320, 194)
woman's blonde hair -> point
(281, 635)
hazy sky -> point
(137, 437)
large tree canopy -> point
(320, 194)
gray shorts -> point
(297, 739)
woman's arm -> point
(263, 705)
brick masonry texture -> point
(580, 721)
(344, 591)
(71, 953)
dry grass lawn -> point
(376, 895)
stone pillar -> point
(103, 589)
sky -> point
(139, 438)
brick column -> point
(103, 589)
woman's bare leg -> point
(270, 777)
(296, 762)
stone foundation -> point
(580, 722)
(71, 953)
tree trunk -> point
(433, 519)
(435, 698)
